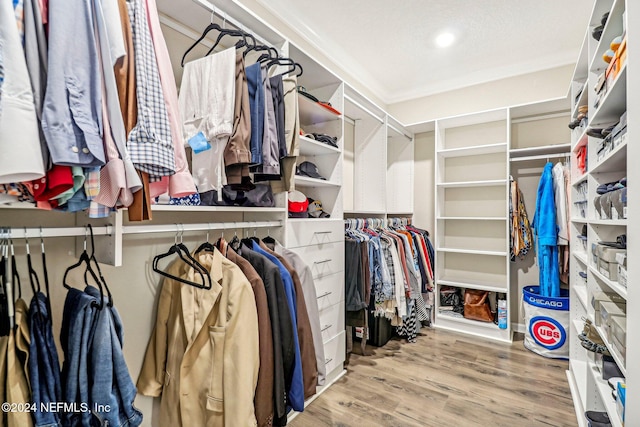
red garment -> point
(57, 180)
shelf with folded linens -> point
(614, 161)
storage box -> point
(619, 347)
(618, 329)
(599, 297)
(609, 310)
(622, 269)
(608, 269)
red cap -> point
(298, 202)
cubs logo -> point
(547, 332)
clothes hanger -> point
(183, 252)
(86, 260)
(46, 276)
(268, 239)
(212, 26)
(286, 61)
(234, 33)
(14, 269)
(92, 258)
(206, 246)
(235, 242)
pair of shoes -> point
(597, 419)
(591, 340)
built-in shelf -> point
(575, 393)
(615, 286)
(178, 208)
(443, 316)
(581, 141)
(486, 183)
(540, 150)
(472, 251)
(581, 256)
(605, 395)
(582, 178)
(310, 219)
(582, 101)
(472, 218)
(614, 103)
(311, 147)
(615, 161)
(614, 353)
(579, 220)
(356, 212)
(305, 181)
(583, 295)
(474, 150)
(479, 286)
(612, 28)
(612, 222)
(312, 113)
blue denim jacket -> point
(94, 370)
(44, 365)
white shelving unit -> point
(589, 390)
(471, 177)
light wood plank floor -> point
(446, 379)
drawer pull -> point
(322, 232)
(327, 361)
(326, 327)
(324, 261)
(326, 294)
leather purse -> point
(476, 305)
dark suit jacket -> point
(263, 399)
(281, 328)
(305, 335)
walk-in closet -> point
(259, 213)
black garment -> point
(281, 328)
(353, 276)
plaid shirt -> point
(150, 144)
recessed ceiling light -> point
(445, 40)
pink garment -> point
(181, 183)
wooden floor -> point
(446, 380)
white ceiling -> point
(389, 45)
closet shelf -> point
(614, 353)
(582, 294)
(575, 390)
(615, 286)
(545, 149)
(445, 317)
(614, 102)
(582, 100)
(605, 395)
(612, 28)
(186, 209)
(305, 181)
(581, 178)
(472, 251)
(472, 218)
(481, 287)
(611, 222)
(356, 212)
(579, 220)
(615, 161)
(474, 150)
(311, 147)
(487, 183)
(581, 141)
(312, 113)
(581, 256)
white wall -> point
(547, 84)
(424, 186)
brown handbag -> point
(476, 305)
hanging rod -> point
(223, 15)
(173, 228)
(36, 233)
(541, 156)
(362, 107)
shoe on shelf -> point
(591, 340)
(597, 419)
(613, 382)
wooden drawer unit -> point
(332, 321)
(323, 260)
(334, 352)
(316, 233)
(329, 290)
